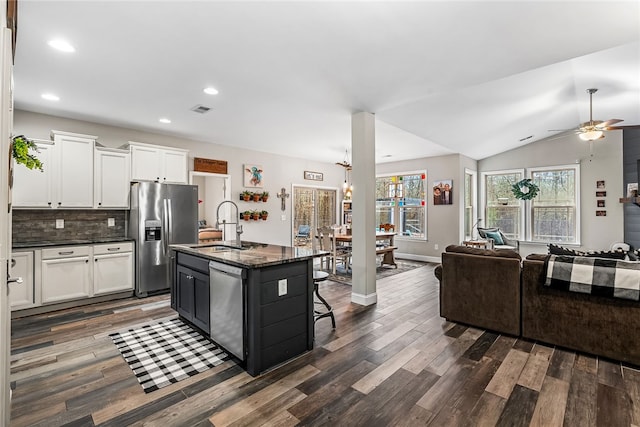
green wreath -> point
(530, 189)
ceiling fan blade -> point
(624, 127)
(608, 123)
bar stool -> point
(321, 276)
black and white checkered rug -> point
(166, 352)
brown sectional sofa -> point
(603, 326)
(491, 290)
(481, 287)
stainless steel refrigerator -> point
(160, 215)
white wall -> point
(602, 162)
(279, 171)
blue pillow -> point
(496, 236)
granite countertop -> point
(48, 243)
(252, 254)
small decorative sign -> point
(313, 176)
(209, 165)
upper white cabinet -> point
(158, 163)
(67, 180)
(74, 154)
(31, 187)
(111, 182)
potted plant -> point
(265, 196)
(255, 215)
(20, 152)
(257, 197)
(246, 195)
(264, 215)
(246, 215)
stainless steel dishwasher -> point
(226, 307)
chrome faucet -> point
(224, 221)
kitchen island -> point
(256, 301)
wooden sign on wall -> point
(209, 165)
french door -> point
(312, 208)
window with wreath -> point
(554, 211)
(400, 201)
(502, 209)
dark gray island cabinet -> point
(255, 302)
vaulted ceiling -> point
(470, 77)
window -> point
(502, 209)
(552, 216)
(554, 211)
(470, 201)
(400, 201)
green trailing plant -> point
(21, 146)
(525, 189)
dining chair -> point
(327, 239)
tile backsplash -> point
(34, 225)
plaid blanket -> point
(595, 276)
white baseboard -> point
(364, 299)
(423, 258)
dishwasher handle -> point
(227, 269)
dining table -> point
(385, 249)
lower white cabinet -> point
(21, 295)
(112, 268)
(66, 273)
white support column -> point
(363, 147)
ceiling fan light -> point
(591, 135)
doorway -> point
(213, 188)
(312, 208)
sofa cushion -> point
(483, 252)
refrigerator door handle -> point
(165, 227)
(169, 224)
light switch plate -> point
(282, 287)
(283, 217)
(111, 222)
(59, 223)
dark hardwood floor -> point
(393, 364)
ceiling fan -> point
(594, 129)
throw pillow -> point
(496, 236)
(607, 254)
(560, 250)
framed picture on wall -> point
(600, 184)
(253, 176)
(443, 192)
(601, 213)
(600, 203)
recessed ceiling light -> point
(164, 120)
(61, 45)
(210, 91)
(50, 97)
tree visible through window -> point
(554, 209)
(400, 201)
(502, 209)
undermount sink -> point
(219, 248)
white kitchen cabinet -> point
(112, 171)
(74, 157)
(21, 295)
(31, 187)
(156, 163)
(67, 180)
(66, 273)
(112, 268)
